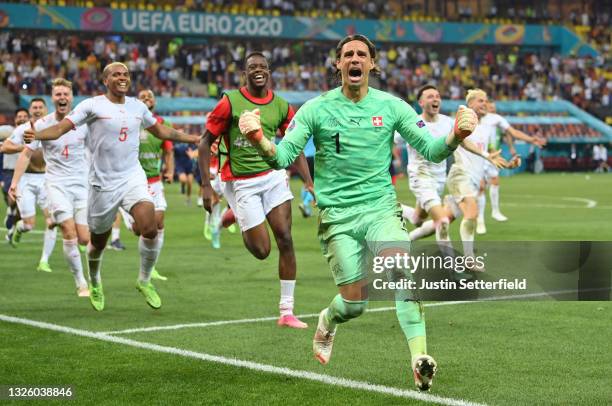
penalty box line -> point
(254, 366)
(314, 315)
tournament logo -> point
(420, 124)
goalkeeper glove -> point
(250, 126)
(465, 122)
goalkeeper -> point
(353, 128)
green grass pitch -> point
(496, 353)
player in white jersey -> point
(214, 220)
(65, 180)
(8, 167)
(468, 171)
(31, 189)
(152, 152)
(427, 179)
(115, 176)
(491, 174)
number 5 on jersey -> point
(123, 134)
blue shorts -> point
(196, 174)
(7, 178)
(184, 166)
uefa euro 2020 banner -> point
(21, 16)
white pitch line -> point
(252, 320)
(29, 232)
(255, 366)
(313, 315)
(589, 202)
(543, 206)
(24, 242)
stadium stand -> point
(506, 74)
(581, 14)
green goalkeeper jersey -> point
(353, 144)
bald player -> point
(116, 178)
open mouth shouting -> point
(62, 105)
(355, 74)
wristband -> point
(485, 154)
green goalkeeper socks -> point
(412, 322)
(341, 310)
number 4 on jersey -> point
(65, 151)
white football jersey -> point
(9, 160)
(473, 164)
(114, 138)
(417, 164)
(17, 135)
(497, 121)
(65, 157)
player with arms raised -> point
(427, 179)
(504, 131)
(353, 127)
(467, 172)
(65, 179)
(116, 178)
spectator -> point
(504, 73)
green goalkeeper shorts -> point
(348, 235)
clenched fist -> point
(28, 136)
(465, 122)
(250, 125)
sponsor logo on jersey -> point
(355, 120)
(333, 122)
(377, 121)
(291, 125)
(241, 142)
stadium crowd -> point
(505, 73)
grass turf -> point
(494, 353)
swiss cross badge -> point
(377, 121)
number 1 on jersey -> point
(123, 134)
(337, 137)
